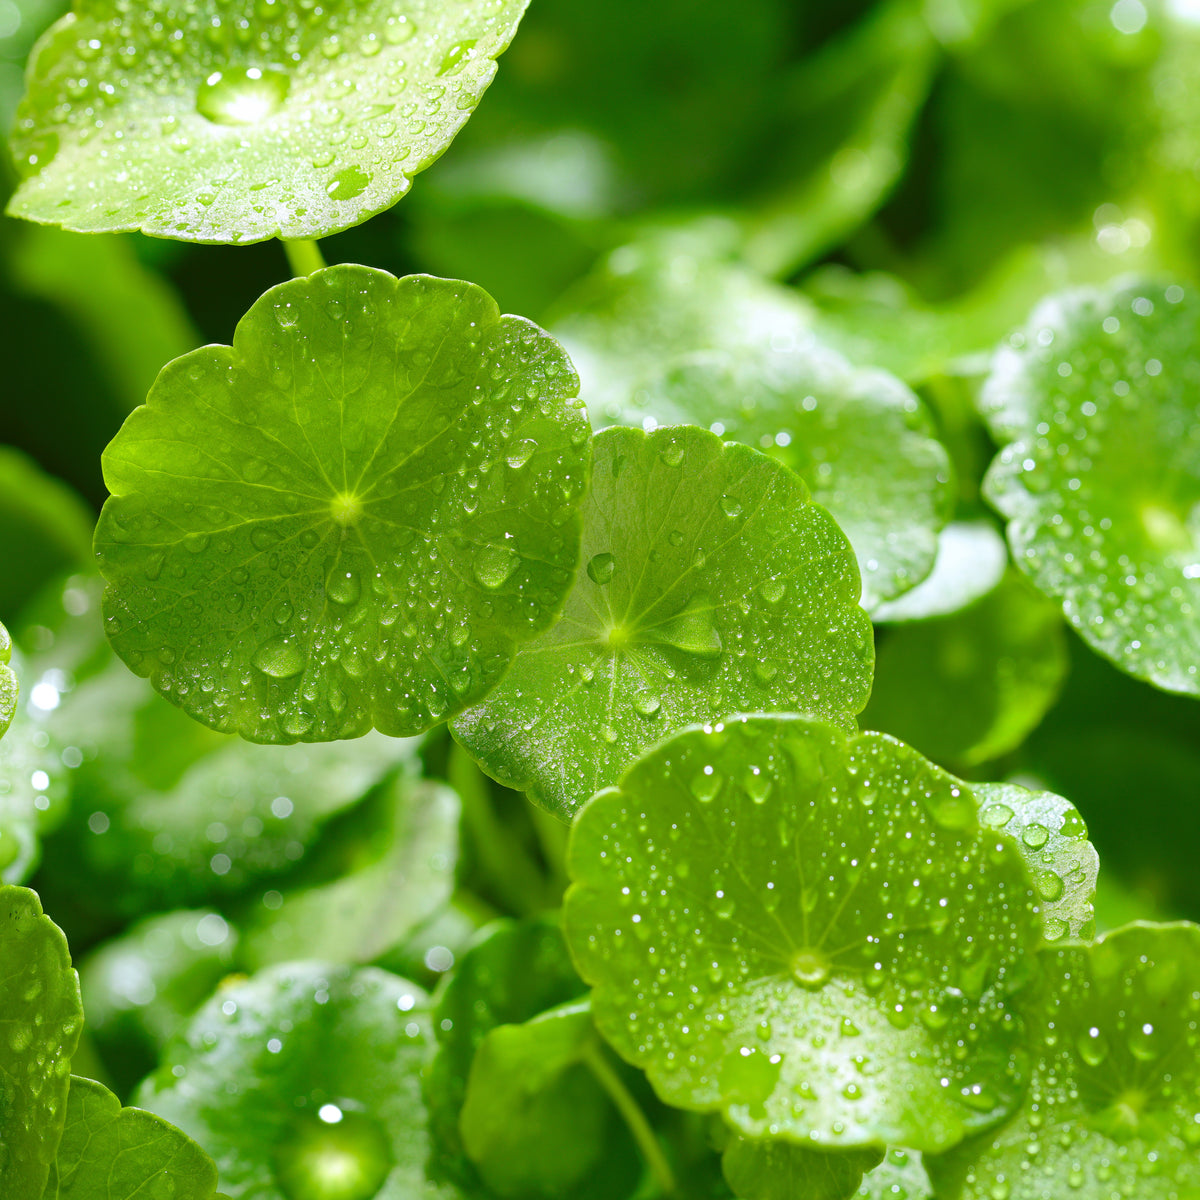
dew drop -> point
(646, 704)
(600, 568)
(494, 566)
(320, 1159)
(279, 657)
(242, 97)
(348, 184)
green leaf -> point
(1100, 477)
(708, 584)
(986, 676)
(112, 1153)
(971, 560)
(45, 529)
(534, 1120)
(352, 516)
(861, 441)
(832, 952)
(191, 123)
(775, 1169)
(1111, 1108)
(365, 913)
(43, 1017)
(515, 970)
(9, 689)
(901, 1176)
(140, 987)
(1053, 840)
(303, 1079)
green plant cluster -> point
(622, 755)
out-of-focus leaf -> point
(781, 1170)
(9, 688)
(901, 1176)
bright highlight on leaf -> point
(709, 583)
(213, 122)
(1112, 1103)
(351, 517)
(1100, 479)
(9, 689)
(807, 932)
(41, 1017)
(112, 1153)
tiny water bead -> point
(242, 96)
(333, 1155)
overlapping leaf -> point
(1111, 1108)
(782, 1170)
(351, 517)
(901, 1176)
(709, 584)
(1100, 477)
(218, 124)
(807, 932)
(42, 1019)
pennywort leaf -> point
(807, 932)
(774, 1169)
(42, 1020)
(709, 583)
(1100, 474)
(304, 1077)
(112, 1153)
(1111, 1106)
(217, 125)
(349, 518)
(9, 689)
(901, 1176)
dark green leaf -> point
(807, 932)
(304, 1079)
(780, 1170)
(1100, 477)
(1111, 1108)
(351, 517)
(709, 584)
(112, 1153)
(194, 123)
(42, 1020)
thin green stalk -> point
(631, 1112)
(304, 257)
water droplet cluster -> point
(1100, 479)
(708, 584)
(808, 932)
(239, 120)
(342, 539)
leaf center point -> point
(809, 967)
(345, 508)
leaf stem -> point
(594, 1058)
(304, 257)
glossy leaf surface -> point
(709, 584)
(1111, 1108)
(800, 961)
(42, 1017)
(352, 516)
(218, 123)
(112, 1153)
(774, 1169)
(901, 1176)
(302, 1077)
(1100, 477)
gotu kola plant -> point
(795, 959)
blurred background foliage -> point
(915, 174)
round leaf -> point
(352, 516)
(1112, 1104)
(709, 584)
(778, 1170)
(112, 1153)
(807, 932)
(1100, 477)
(860, 439)
(211, 125)
(306, 1073)
(9, 690)
(42, 1019)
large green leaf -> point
(1111, 1108)
(860, 439)
(352, 516)
(775, 1169)
(985, 676)
(1100, 477)
(709, 584)
(112, 1153)
(42, 1019)
(366, 912)
(807, 932)
(9, 688)
(230, 123)
(515, 970)
(304, 1080)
